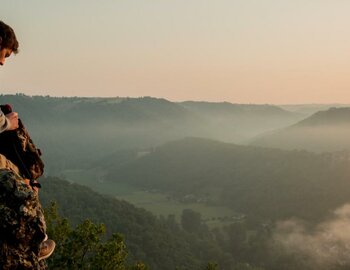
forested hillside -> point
(161, 243)
(323, 131)
(259, 182)
(157, 242)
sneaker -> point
(46, 249)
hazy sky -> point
(245, 51)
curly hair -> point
(8, 38)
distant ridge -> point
(323, 131)
(73, 130)
(309, 109)
(232, 107)
(333, 116)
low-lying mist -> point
(325, 138)
(324, 246)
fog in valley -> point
(324, 246)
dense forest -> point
(258, 182)
(144, 241)
(159, 242)
(148, 242)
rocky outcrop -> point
(22, 225)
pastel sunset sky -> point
(241, 51)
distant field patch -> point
(161, 204)
(155, 202)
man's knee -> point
(8, 165)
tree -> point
(190, 220)
(83, 248)
(211, 266)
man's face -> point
(4, 53)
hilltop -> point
(323, 131)
(248, 119)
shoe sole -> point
(48, 254)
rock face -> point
(22, 225)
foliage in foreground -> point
(83, 247)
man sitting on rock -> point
(23, 239)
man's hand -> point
(13, 120)
(27, 182)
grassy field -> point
(161, 204)
(155, 202)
